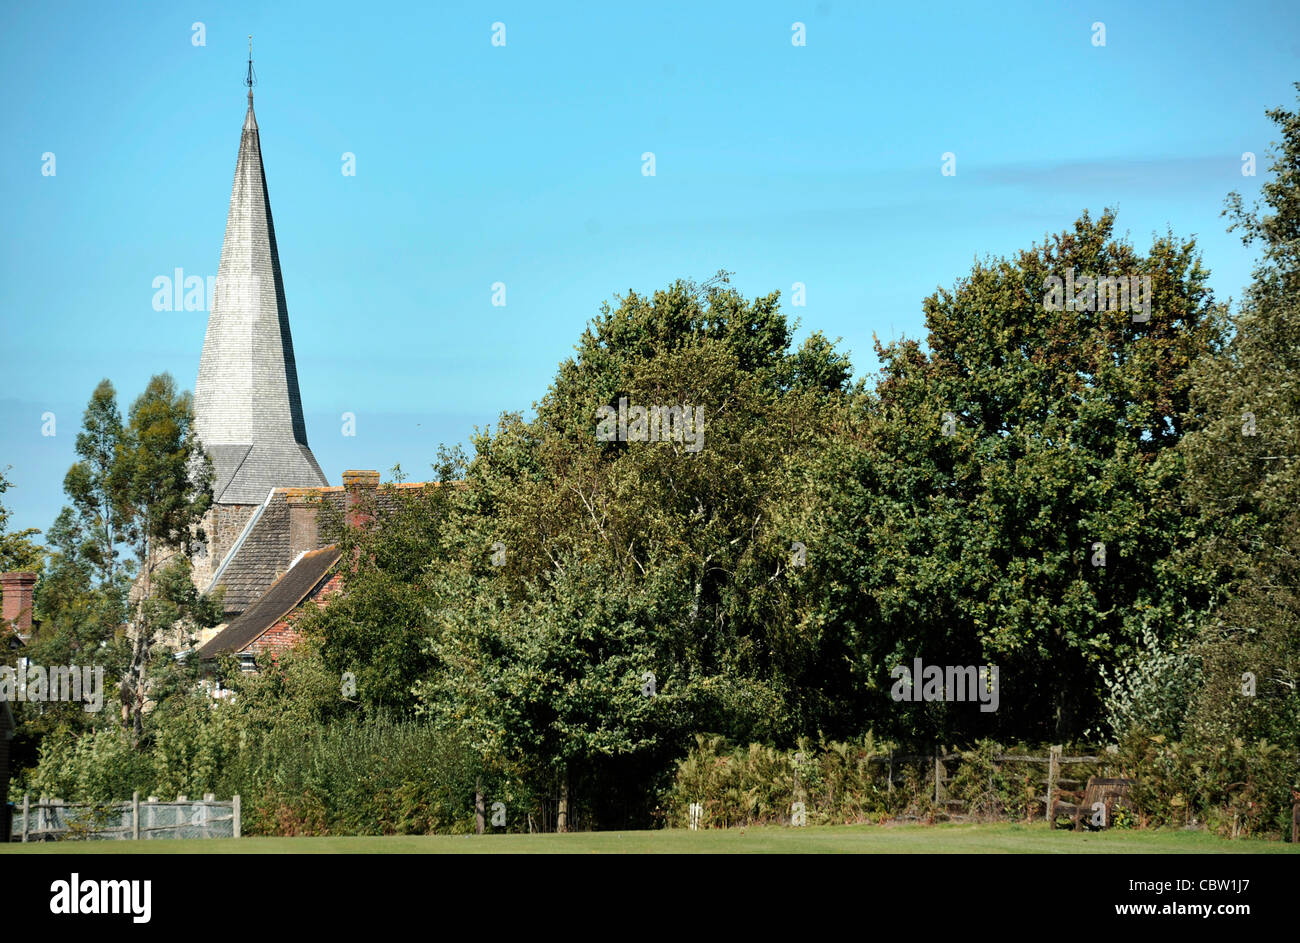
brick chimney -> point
(303, 532)
(360, 487)
(17, 589)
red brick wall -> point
(283, 636)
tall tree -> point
(1006, 494)
(1244, 479)
(159, 487)
(594, 599)
(87, 482)
(82, 597)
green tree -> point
(561, 570)
(159, 487)
(82, 596)
(97, 519)
(1243, 461)
(961, 517)
(18, 551)
(118, 573)
(374, 629)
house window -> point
(248, 661)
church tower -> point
(248, 411)
(247, 408)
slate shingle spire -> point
(248, 411)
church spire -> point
(247, 406)
(250, 122)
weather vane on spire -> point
(251, 80)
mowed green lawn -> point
(829, 839)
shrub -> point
(837, 782)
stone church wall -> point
(223, 524)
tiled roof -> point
(284, 595)
(245, 473)
(264, 553)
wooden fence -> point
(56, 820)
(1052, 781)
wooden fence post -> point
(235, 811)
(478, 812)
(1295, 823)
(135, 816)
(938, 773)
(27, 805)
(1053, 763)
(890, 788)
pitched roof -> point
(260, 557)
(247, 406)
(285, 595)
(263, 553)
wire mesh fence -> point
(149, 820)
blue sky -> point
(522, 164)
